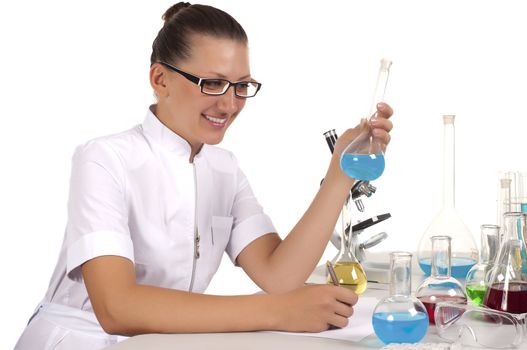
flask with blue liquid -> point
(448, 221)
(363, 158)
(400, 318)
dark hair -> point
(182, 20)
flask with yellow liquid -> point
(348, 269)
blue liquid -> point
(459, 268)
(362, 166)
(400, 327)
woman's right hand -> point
(314, 308)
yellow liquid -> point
(351, 275)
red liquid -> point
(515, 301)
(430, 303)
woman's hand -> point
(380, 126)
(313, 308)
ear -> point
(158, 80)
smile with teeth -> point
(215, 120)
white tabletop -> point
(268, 340)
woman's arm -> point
(279, 266)
(124, 307)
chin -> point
(213, 140)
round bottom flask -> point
(348, 269)
(440, 286)
(400, 318)
(476, 280)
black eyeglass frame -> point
(201, 82)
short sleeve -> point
(97, 209)
(250, 221)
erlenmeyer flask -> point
(476, 283)
(347, 267)
(448, 221)
(400, 318)
(440, 286)
(507, 288)
(363, 158)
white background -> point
(71, 71)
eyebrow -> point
(221, 76)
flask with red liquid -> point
(507, 289)
(440, 286)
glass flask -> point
(347, 267)
(507, 286)
(448, 221)
(476, 283)
(363, 158)
(440, 286)
(400, 318)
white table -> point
(267, 340)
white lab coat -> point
(136, 195)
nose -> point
(229, 102)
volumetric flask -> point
(440, 286)
(363, 158)
(507, 288)
(448, 221)
(400, 318)
(476, 281)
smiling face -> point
(183, 108)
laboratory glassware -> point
(400, 317)
(440, 286)
(475, 282)
(363, 158)
(507, 286)
(448, 221)
(347, 267)
(504, 199)
(512, 192)
(468, 324)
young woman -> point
(152, 210)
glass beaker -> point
(448, 221)
(347, 267)
(507, 287)
(440, 286)
(476, 283)
(400, 318)
(363, 158)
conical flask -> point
(348, 269)
(440, 286)
(476, 282)
(363, 158)
(448, 221)
(400, 318)
(507, 288)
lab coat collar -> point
(153, 128)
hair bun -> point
(171, 12)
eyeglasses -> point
(216, 87)
(482, 325)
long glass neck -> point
(489, 243)
(400, 273)
(345, 241)
(448, 161)
(504, 200)
(441, 256)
